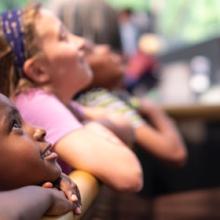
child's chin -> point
(55, 173)
(58, 169)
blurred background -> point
(183, 35)
(180, 22)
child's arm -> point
(32, 202)
(84, 147)
(160, 136)
(117, 124)
(95, 149)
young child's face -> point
(107, 66)
(25, 157)
(64, 54)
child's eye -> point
(16, 124)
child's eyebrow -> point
(13, 112)
(10, 115)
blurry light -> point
(199, 83)
(150, 44)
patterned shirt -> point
(117, 102)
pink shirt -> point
(44, 110)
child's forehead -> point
(44, 21)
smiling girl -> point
(33, 162)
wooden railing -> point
(89, 189)
(194, 111)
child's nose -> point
(103, 48)
(39, 134)
(83, 44)
(89, 46)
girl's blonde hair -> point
(10, 79)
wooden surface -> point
(194, 111)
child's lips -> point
(51, 156)
(47, 154)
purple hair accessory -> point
(11, 24)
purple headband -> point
(11, 24)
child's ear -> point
(35, 70)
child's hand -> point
(70, 190)
(59, 204)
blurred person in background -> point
(128, 32)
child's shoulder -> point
(33, 94)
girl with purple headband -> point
(42, 66)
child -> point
(42, 67)
(157, 135)
(33, 162)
